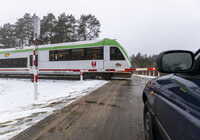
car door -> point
(177, 108)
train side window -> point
(95, 53)
(116, 54)
(53, 55)
(78, 54)
(63, 55)
(31, 60)
(21, 62)
(59, 55)
(1, 63)
(8, 62)
(13, 63)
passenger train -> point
(104, 58)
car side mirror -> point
(176, 61)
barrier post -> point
(154, 73)
(36, 32)
(35, 77)
(158, 74)
(81, 75)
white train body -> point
(104, 56)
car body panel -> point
(176, 105)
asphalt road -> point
(112, 112)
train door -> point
(106, 57)
(96, 56)
(31, 63)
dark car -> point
(172, 102)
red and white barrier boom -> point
(36, 31)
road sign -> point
(36, 26)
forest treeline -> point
(64, 28)
(143, 61)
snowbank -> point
(19, 110)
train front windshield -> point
(116, 54)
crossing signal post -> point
(36, 27)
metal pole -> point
(81, 75)
(158, 74)
(154, 73)
(35, 77)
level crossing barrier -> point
(139, 71)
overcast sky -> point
(145, 26)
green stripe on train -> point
(104, 42)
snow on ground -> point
(19, 110)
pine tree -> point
(143, 61)
(28, 29)
(65, 28)
(88, 28)
(48, 24)
(20, 32)
(7, 36)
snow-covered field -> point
(19, 110)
